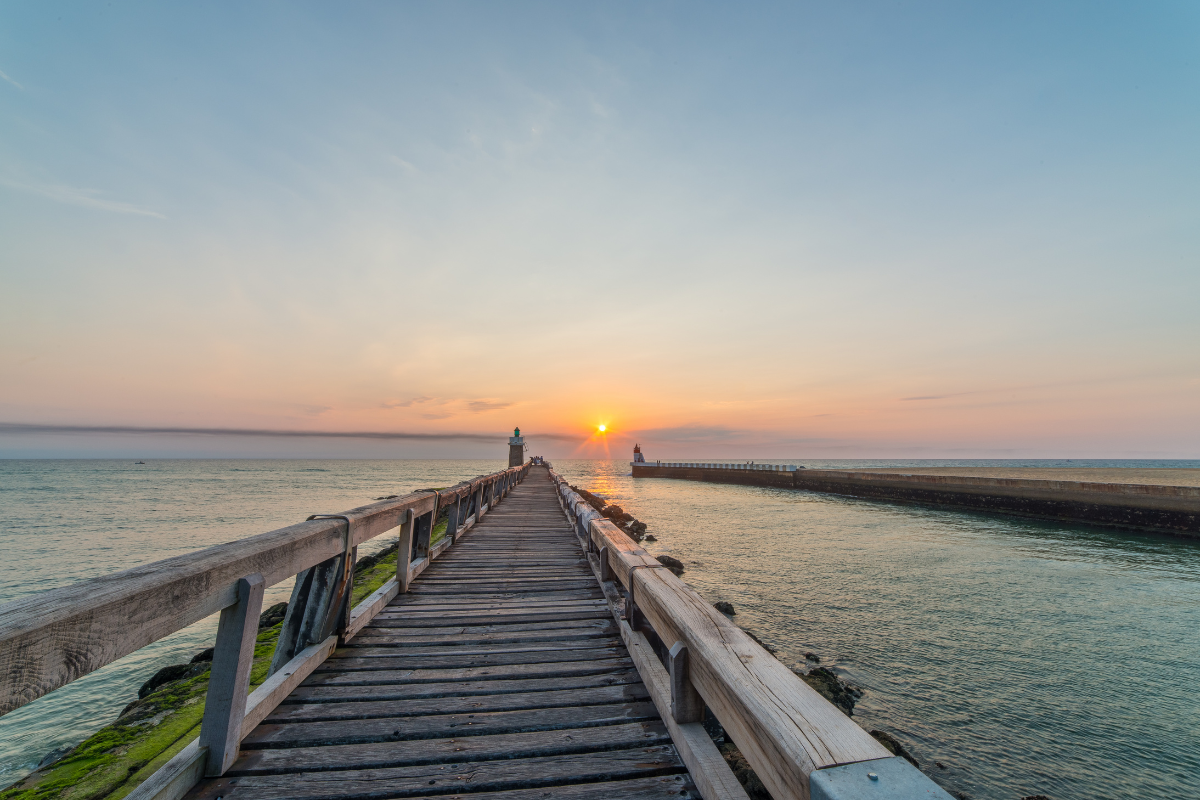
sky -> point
(825, 230)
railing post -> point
(452, 518)
(605, 569)
(229, 680)
(404, 550)
(423, 532)
(686, 704)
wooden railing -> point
(49, 639)
(692, 656)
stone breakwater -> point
(1133, 506)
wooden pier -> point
(535, 651)
(501, 669)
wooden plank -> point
(547, 645)
(550, 631)
(630, 773)
(527, 605)
(442, 726)
(477, 688)
(364, 678)
(459, 749)
(463, 659)
(486, 619)
(515, 701)
(427, 601)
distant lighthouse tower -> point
(516, 448)
(637, 454)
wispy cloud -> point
(690, 433)
(416, 401)
(88, 198)
(479, 406)
(10, 80)
(400, 162)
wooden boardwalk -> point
(500, 675)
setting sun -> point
(603, 428)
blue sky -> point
(876, 229)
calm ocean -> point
(1026, 657)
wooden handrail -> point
(51, 638)
(784, 728)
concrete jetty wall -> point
(1163, 509)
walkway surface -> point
(501, 675)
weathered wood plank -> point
(442, 726)
(430, 605)
(489, 618)
(455, 750)
(515, 701)
(457, 649)
(479, 688)
(629, 773)
(371, 677)
(461, 660)
(496, 632)
(516, 594)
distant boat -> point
(139, 462)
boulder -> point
(894, 747)
(833, 688)
(164, 676)
(724, 607)
(272, 616)
(673, 564)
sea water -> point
(1023, 657)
